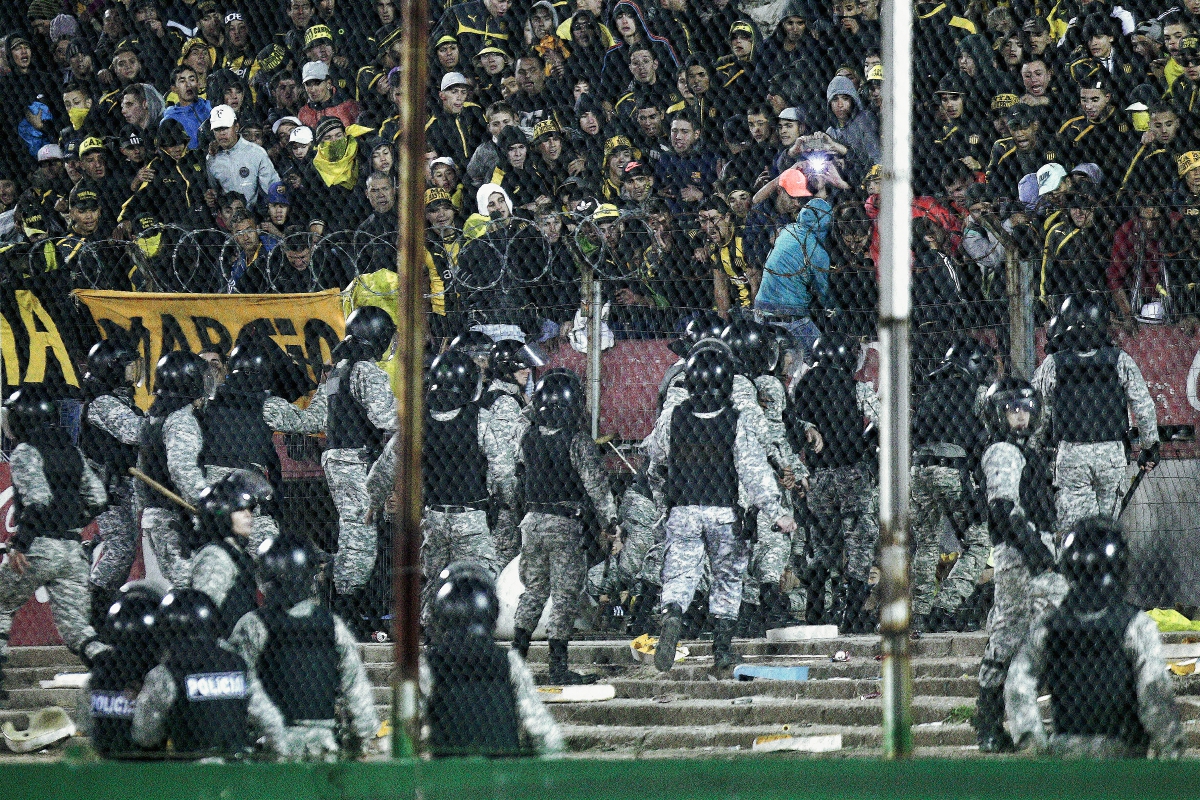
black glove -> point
(1148, 458)
(1026, 538)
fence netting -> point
(651, 405)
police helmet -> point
(707, 325)
(31, 409)
(465, 599)
(836, 351)
(106, 363)
(252, 364)
(238, 491)
(509, 356)
(287, 568)
(708, 376)
(1012, 394)
(477, 344)
(454, 381)
(558, 399)
(971, 358)
(131, 619)
(372, 327)
(180, 373)
(189, 614)
(1094, 559)
(755, 349)
(1086, 319)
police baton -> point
(164, 491)
(1133, 485)
(607, 439)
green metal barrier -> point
(744, 778)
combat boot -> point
(942, 621)
(559, 674)
(521, 640)
(749, 620)
(668, 638)
(774, 608)
(852, 620)
(724, 659)
(642, 618)
(989, 722)
(814, 610)
(919, 624)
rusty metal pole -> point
(410, 347)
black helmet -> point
(287, 568)
(180, 373)
(558, 399)
(454, 381)
(237, 491)
(252, 365)
(31, 410)
(708, 375)
(106, 363)
(372, 327)
(1055, 333)
(477, 344)
(1086, 319)
(130, 620)
(836, 351)
(705, 326)
(465, 600)
(509, 356)
(1094, 559)
(171, 133)
(755, 349)
(971, 358)
(1009, 394)
(189, 614)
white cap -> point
(1050, 177)
(314, 71)
(50, 152)
(294, 120)
(454, 79)
(301, 135)
(222, 116)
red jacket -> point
(346, 111)
(1133, 244)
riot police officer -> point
(107, 700)
(1017, 481)
(1089, 386)
(197, 697)
(948, 439)
(561, 472)
(709, 453)
(304, 658)
(1101, 659)
(55, 495)
(110, 429)
(481, 700)
(169, 453)
(842, 486)
(705, 325)
(222, 567)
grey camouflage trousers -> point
(1090, 480)
(119, 531)
(693, 532)
(1020, 599)
(357, 540)
(553, 565)
(506, 537)
(841, 499)
(638, 517)
(937, 493)
(60, 566)
(446, 538)
(164, 528)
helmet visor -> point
(1027, 404)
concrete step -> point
(639, 739)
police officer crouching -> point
(303, 659)
(1101, 659)
(481, 699)
(194, 703)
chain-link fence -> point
(650, 425)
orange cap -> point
(794, 183)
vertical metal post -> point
(410, 347)
(595, 329)
(1022, 354)
(895, 594)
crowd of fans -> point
(691, 155)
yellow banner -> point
(306, 325)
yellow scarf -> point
(337, 171)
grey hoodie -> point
(859, 134)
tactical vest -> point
(65, 514)
(828, 398)
(153, 456)
(349, 427)
(1089, 401)
(946, 414)
(472, 708)
(209, 714)
(113, 691)
(1037, 489)
(701, 470)
(242, 596)
(235, 435)
(299, 665)
(453, 464)
(1093, 686)
(550, 477)
(103, 448)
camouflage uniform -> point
(56, 562)
(118, 525)
(638, 517)
(553, 553)
(310, 740)
(163, 526)
(1154, 699)
(1090, 475)
(502, 437)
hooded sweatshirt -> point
(614, 71)
(859, 133)
(798, 267)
